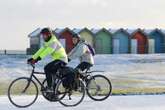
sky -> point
(18, 18)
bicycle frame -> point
(39, 82)
(89, 73)
(33, 76)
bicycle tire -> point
(91, 94)
(26, 79)
(44, 83)
(65, 99)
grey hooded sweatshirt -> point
(82, 52)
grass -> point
(133, 87)
(120, 87)
(5, 85)
(139, 91)
(3, 88)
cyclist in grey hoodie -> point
(82, 52)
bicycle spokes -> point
(99, 88)
(20, 90)
(73, 96)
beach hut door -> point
(41, 41)
(116, 46)
(134, 46)
(151, 46)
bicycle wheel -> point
(53, 98)
(99, 87)
(22, 92)
(74, 96)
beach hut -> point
(35, 41)
(103, 41)
(121, 41)
(85, 34)
(139, 42)
(65, 37)
(156, 41)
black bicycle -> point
(98, 87)
(22, 87)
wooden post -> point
(5, 52)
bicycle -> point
(22, 87)
(98, 87)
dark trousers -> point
(51, 68)
(83, 65)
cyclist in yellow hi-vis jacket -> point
(51, 47)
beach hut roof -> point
(121, 30)
(159, 31)
(35, 33)
(86, 29)
(59, 31)
(104, 30)
(139, 30)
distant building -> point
(157, 41)
(65, 37)
(139, 42)
(121, 41)
(103, 41)
(85, 34)
(111, 41)
(35, 41)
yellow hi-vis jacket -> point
(54, 48)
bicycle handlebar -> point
(33, 65)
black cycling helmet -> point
(46, 31)
(76, 36)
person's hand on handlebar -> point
(33, 61)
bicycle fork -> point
(26, 86)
